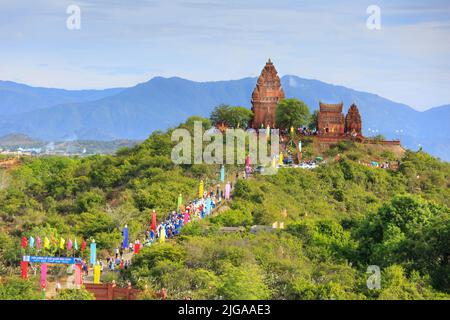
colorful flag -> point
(83, 245)
(200, 190)
(137, 247)
(75, 245)
(162, 235)
(280, 160)
(69, 244)
(154, 221)
(78, 277)
(222, 174)
(46, 243)
(24, 269)
(43, 275)
(38, 243)
(31, 242)
(96, 274)
(208, 206)
(93, 259)
(125, 237)
(24, 242)
(179, 202)
(61, 243)
(227, 191)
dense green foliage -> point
(291, 113)
(14, 288)
(234, 117)
(339, 219)
(74, 294)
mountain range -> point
(133, 113)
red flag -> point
(83, 245)
(154, 221)
(24, 242)
(24, 268)
(137, 246)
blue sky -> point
(122, 43)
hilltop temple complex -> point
(332, 126)
(265, 97)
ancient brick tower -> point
(353, 124)
(330, 120)
(265, 97)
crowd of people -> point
(170, 227)
(302, 131)
(389, 165)
(195, 210)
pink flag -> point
(186, 217)
(227, 191)
(247, 161)
(43, 275)
(38, 243)
(78, 278)
(69, 244)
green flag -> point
(180, 202)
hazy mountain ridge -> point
(16, 98)
(135, 112)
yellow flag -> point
(46, 243)
(162, 235)
(96, 274)
(61, 243)
(280, 160)
(200, 190)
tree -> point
(410, 232)
(396, 286)
(220, 114)
(231, 116)
(239, 117)
(312, 125)
(291, 113)
(244, 283)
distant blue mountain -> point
(135, 112)
(16, 98)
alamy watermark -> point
(241, 146)
(73, 22)
(374, 280)
(374, 20)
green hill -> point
(339, 219)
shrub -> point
(245, 282)
(233, 218)
(74, 294)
